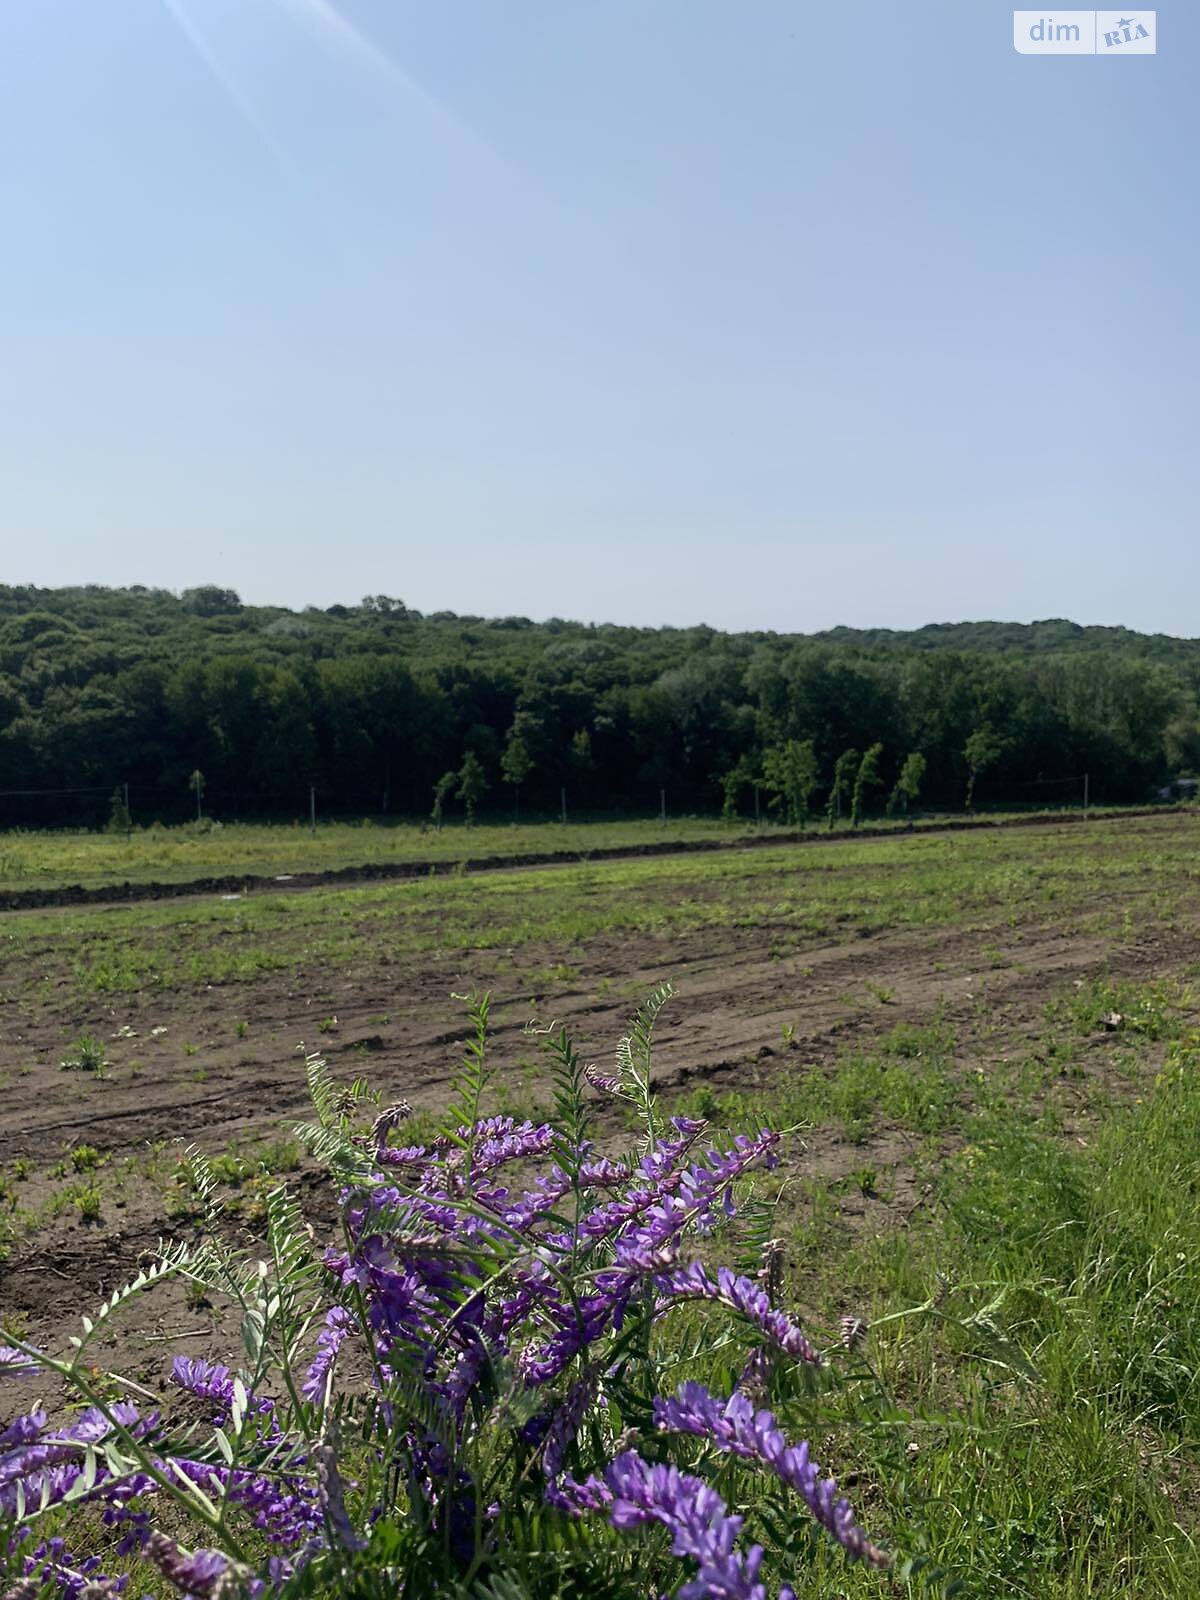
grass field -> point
(32, 859)
(987, 1044)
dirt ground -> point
(745, 1015)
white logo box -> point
(1085, 33)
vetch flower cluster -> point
(735, 1426)
(460, 1362)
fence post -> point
(662, 805)
(562, 795)
(312, 809)
(1085, 793)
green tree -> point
(908, 785)
(739, 777)
(845, 767)
(790, 774)
(442, 790)
(982, 750)
(378, 700)
(866, 779)
(515, 766)
(210, 600)
(119, 820)
(196, 785)
(472, 783)
(581, 752)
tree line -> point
(386, 710)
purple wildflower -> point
(45, 1465)
(673, 1201)
(655, 1175)
(645, 1227)
(689, 1127)
(92, 1425)
(564, 1425)
(470, 1367)
(23, 1430)
(410, 1155)
(195, 1575)
(455, 1284)
(402, 1300)
(583, 1324)
(135, 1526)
(599, 1174)
(534, 1289)
(603, 1081)
(635, 1493)
(734, 1426)
(742, 1295)
(210, 1382)
(76, 1577)
(15, 1363)
(339, 1325)
(512, 1144)
(286, 1511)
(41, 1465)
(705, 1188)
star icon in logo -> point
(1126, 22)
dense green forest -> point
(383, 709)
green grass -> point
(1027, 1407)
(1004, 884)
(85, 1055)
(32, 859)
(1138, 1010)
(907, 1080)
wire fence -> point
(96, 805)
(122, 804)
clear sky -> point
(755, 312)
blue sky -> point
(756, 313)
